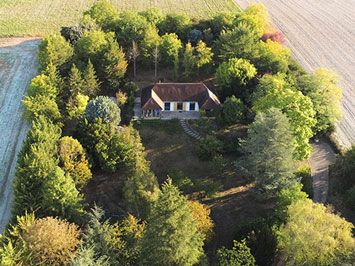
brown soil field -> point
(18, 65)
(321, 34)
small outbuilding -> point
(180, 100)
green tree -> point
(102, 107)
(43, 85)
(209, 147)
(239, 255)
(189, 60)
(54, 49)
(175, 23)
(299, 110)
(268, 152)
(222, 21)
(171, 236)
(313, 235)
(203, 55)
(150, 41)
(115, 64)
(153, 15)
(239, 42)
(76, 106)
(169, 49)
(61, 198)
(130, 27)
(104, 14)
(37, 160)
(233, 110)
(76, 82)
(323, 89)
(73, 161)
(234, 77)
(91, 84)
(286, 197)
(41, 105)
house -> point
(180, 100)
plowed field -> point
(321, 34)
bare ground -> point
(18, 65)
(321, 34)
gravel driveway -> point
(321, 33)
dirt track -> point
(18, 65)
(321, 33)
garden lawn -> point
(39, 17)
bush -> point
(209, 147)
(233, 110)
(102, 107)
(304, 173)
(238, 255)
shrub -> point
(304, 173)
(209, 147)
(201, 214)
(73, 161)
(52, 241)
(195, 36)
(238, 255)
(102, 107)
(233, 110)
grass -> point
(39, 17)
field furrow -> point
(18, 65)
(321, 34)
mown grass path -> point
(38, 17)
(321, 34)
(18, 65)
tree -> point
(156, 58)
(86, 257)
(130, 27)
(150, 41)
(234, 76)
(222, 21)
(115, 64)
(54, 49)
(313, 235)
(268, 152)
(76, 82)
(134, 53)
(323, 89)
(171, 236)
(176, 23)
(194, 36)
(104, 14)
(169, 49)
(91, 84)
(37, 160)
(76, 106)
(153, 15)
(61, 198)
(73, 161)
(52, 241)
(189, 60)
(275, 37)
(201, 214)
(41, 105)
(209, 147)
(239, 255)
(286, 197)
(299, 110)
(43, 85)
(102, 107)
(239, 42)
(233, 110)
(203, 55)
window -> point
(166, 106)
(179, 106)
(192, 106)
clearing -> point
(38, 17)
(18, 65)
(321, 34)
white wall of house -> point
(187, 106)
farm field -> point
(321, 34)
(38, 17)
(18, 65)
